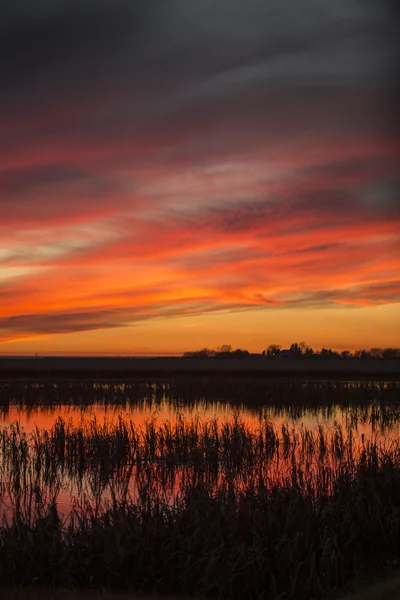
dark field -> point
(133, 367)
(222, 488)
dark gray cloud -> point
(170, 56)
(73, 322)
(92, 81)
(38, 37)
(46, 192)
(371, 293)
(288, 210)
(19, 181)
(59, 322)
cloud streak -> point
(184, 158)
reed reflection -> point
(89, 444)
(100, 461)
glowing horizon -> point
(220, 185)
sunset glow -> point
(218, 184)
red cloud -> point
(190, 238)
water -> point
(31, 410)
(363, 419)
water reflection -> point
(364, 418)
(254, 393)
(144, 441)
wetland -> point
(267, 488)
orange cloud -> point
(100, 237)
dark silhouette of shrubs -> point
(296, 350)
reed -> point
(185, 391)
(199, 507)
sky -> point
(176, 174)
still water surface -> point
(356, 426)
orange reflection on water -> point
(301, 428)
(44, 417)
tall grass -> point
(212, 451)
(215, 508)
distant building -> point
(285, 353)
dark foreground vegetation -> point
(276, 543)
(202, 508)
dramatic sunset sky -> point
(185, 173)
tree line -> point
(224, 351)
(302, 349)
(296, 350)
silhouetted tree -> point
(295, 349)
(361, 354)
(273, 350)
(391, 353)
(203, 353)
(302, 347)
(376, 352)
(224, 349)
